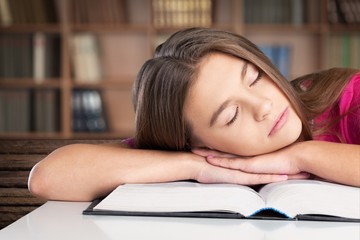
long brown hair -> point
(320, 91)
(164, 81)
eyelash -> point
(237, 108)
(235, 117)
(257, 78)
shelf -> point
(259, 28)
(345, 28)
(110, 28)
(29, 83)
(106, 84)
(30, 28)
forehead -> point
(212, 84)
(214, 69)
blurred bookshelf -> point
(67, 66)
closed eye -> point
(234, 117)
(259, 76)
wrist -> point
(195, 165)
(303, 155)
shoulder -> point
(349, 109)
(350, 95)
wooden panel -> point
(19, 162)
(14, 179)
(17, 157)
(40, 146)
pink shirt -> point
(348, 128)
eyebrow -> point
(216, 114)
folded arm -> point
(83, 172)
(331, 161)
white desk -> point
(64, 220)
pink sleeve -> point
(348, 128)
(350, 103)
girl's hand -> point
(208, 173)
(280, 162)
(212, 173)
(205, 152)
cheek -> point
(244, 142)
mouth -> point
(280, 122)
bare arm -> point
(83, 172)
(331, 161)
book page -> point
(182, 197)
(295, 197)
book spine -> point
(39, 56)
(2, 111)
(86, 59)
(6, 17)
(88, 111)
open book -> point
(293, 199)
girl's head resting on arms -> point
(215, 89)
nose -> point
(262, 108)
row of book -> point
(344, 11)
(275, 11)
(86, 58)
(27, 11)
(98, 12)
(29, 56)
(280, 56)
(25, 110)
(181, 13)
(343, 51)
(88, 111)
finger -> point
(214, 153)
(255, 179)
(230, 163)
(222, 175)
(302, 175)
(200, 152)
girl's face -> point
(233, 107)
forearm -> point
(84, 172)
(332, 161)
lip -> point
(280, 122)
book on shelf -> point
(27, 11)
(343, 11)
(46, 56)
(88, 111)
(280, 56)
(98, 12)
(5, 14)
(86, 58)
(15, 55)
(343, 50)
(181, 13)
(30, 56)
(46, 110)
(24, 110)
(275, 11)
(15, 107)
(288, 200)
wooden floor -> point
(17, 157)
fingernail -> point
(284, 177)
